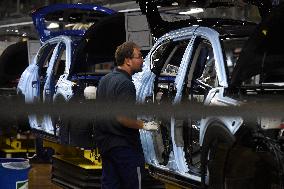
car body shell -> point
(173, 154)
(59, 51)
(144, 82)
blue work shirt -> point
(116, 87)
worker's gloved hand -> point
(151, 126)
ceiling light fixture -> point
(52, 25)
(192, 11)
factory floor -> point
(40, 177)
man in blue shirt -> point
(118, 137)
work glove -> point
(151, 126)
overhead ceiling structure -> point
(15, 19)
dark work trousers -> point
(123, 168)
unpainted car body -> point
(203, 66)
(66, 64)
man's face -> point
(136, 61)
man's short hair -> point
(123, 51)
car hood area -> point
(67, 19)
(202, 13)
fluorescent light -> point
(69, 25)
(16, 24)
(130, 10)
(192, 11)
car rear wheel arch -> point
(218, 141)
